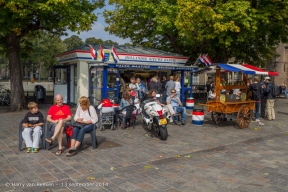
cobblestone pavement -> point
(194, 158)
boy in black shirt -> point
(32, 121)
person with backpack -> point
(271, 90)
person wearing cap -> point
(270, 99)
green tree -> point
(93, 40)
(44, 50)
(72, 42)
(110, 42)
(248, 30)
(20, 18)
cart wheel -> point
(244, 116)
(217, 118)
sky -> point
(98, 29)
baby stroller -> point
(106, 115)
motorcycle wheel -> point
(163, 132)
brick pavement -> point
(194, 158)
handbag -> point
(69, 133)
(80, 125)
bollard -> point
(198, 117)
(190, 103)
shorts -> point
(52, 129)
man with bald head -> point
(58, 114)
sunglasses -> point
(173, 92)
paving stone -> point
(221, 159)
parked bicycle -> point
(200, 90)
(4, 95)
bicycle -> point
(4, 95)
(201, 91)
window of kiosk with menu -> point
(95, 88)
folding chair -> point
(124, 118)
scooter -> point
(155, 117)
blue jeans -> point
(181, 110)
(257, 107)
(78, 134)
(285, 94)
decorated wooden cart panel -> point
(241, 105)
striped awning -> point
(246, 69)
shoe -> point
(268, 119)
(29, 149)
(183, 122)
(71, 150)
(59, 152)
(49, 140)
(35, 150)
(177, 123)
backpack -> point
(275, 90)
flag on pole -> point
(208, 60)
(205, 60)
(93, 53)
(102, 55)
(202, 60)
(114, 54)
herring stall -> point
(95, 70)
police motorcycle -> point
(154, 116)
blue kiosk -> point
(79, 74)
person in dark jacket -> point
(270, 99)
(263, 100)
(256, 90)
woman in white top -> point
(87, 115)
(177, 86)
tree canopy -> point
(93, 40)
(19, 18)
(247, 30)
(72, 42)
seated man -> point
(168, 107)
(177, 106)
(58, 114)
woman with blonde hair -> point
(85, 114)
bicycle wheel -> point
(7, 99)
(3, 92)
(202, 95)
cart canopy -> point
(246, 69)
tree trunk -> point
(16, 85)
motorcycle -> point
(155, 117)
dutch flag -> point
(93, 53)
(102, 55)
(114, 54)
(202, 60)
(208, 60)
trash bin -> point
(198, 117)
(40, 93)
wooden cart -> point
(243, 108)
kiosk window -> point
(61, 76)
(95, 88)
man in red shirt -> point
(58, 114)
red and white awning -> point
(246, 69)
